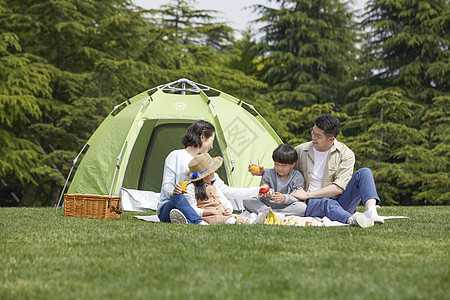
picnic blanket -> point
(289, 221)
(138, 200)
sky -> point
(232, 11)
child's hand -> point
(178, 190)
(227, 212)
(278, 197)
(260, 173)
(268, 194)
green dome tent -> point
(129, 147)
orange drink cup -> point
(254, 165)
(255, 169)
(183, 185)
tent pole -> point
(70, 172)
(117, 106)
(233, 167)
(120, 154)
(117, 167)
(195, 87)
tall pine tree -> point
(409, 42)
(190, 43)
(407, 71)
(386, 144)
(69, 62)
(66, 64)
(310, 51)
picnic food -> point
(264, 188)
(272, 219)
(289, 221)
(308, 223)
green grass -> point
(44, 255)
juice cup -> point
(183, 185)
(255, 169)
(254, 165)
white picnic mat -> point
(290, 220)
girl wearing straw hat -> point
(208, 201)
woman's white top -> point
(175, 170)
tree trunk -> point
(29, 195)
(53, 197)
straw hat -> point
(202, 165)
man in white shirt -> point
(331, 189)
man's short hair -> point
(330, 124)
(285, 154)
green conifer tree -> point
(409, 40)
(246, 56)
(384, 143)
(310, 51)
(406, 60)
(76, 62)
(25, 79)
(190, 43)
(66, 64)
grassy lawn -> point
(44, 255)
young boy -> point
(283, 180)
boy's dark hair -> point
(330, 124)
(194, 132)
(285, 154)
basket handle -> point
(117, 209)
(75, 200)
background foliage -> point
(65, 64)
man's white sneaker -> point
(361, 220)
(203, 223)
(371, 213)
(176, 216)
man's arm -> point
(345, 170)
(330, 191)
(337, 187)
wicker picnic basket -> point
(103, 207)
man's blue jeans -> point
(179, 202)
(360, 188)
